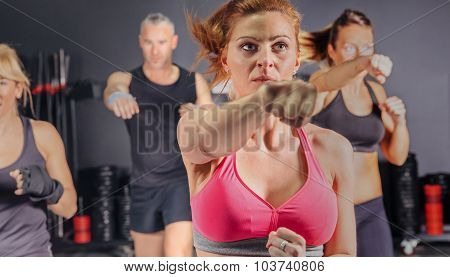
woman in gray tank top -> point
(34, 173)
(363, 113)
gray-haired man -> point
(149, 98)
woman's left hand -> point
(286, 243)
(380, 67)
(17, 176)
(395, 108)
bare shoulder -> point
(44, 129)
(46, 137)
(380, 93)
(328, 142)
(333, 152)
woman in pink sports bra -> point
(263, 182)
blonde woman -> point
(33, 168)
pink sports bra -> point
(231, 219)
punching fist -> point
(395, 108)
(380, 67)
(291, 101)
(35, 182)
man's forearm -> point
(110, 90)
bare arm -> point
(117, 81)
(343, 241)
(205, 134)
(395, 144)
(51, 146)
(203, 91)
(121, 103)
(321, 96)
(328, 80)
(338, 76)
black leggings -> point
(373, 233)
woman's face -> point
(262, 48)
(10, 91)
(352, 41)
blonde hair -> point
(11, 68)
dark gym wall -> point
(109, 30)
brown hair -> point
(213, 34)
(11, 68)
(314, 44)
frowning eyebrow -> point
(257, 39)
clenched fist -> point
(291, 101)
(380, 67)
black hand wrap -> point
(39, 186)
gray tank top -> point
(23, 228)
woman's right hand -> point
(291, 101)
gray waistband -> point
(255, 247)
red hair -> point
(213, 33)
